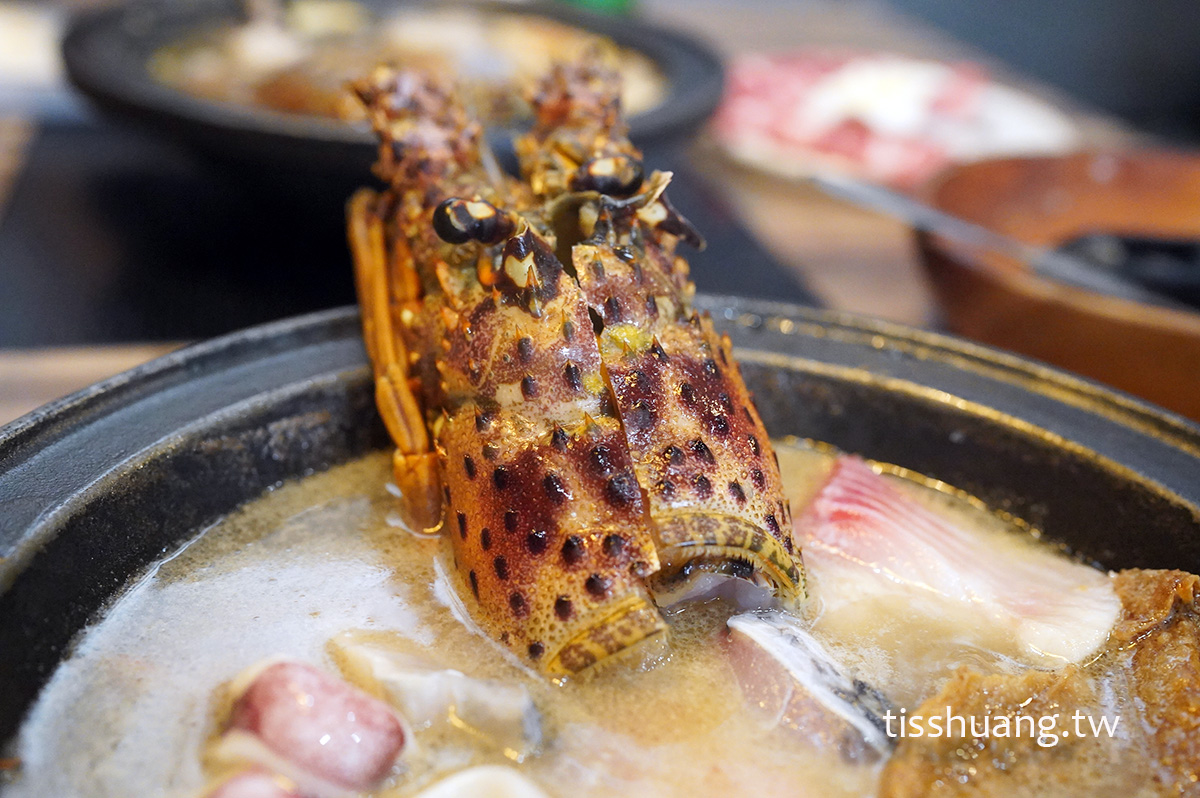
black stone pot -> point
(106, 53)
(96, 486)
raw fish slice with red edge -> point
(863, 535)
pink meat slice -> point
(862, 526)
(787, 674)
(317, 724)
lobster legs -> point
(416, 466)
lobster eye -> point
(457, 221)
(616, 176)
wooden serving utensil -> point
(1149, 349)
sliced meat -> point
(784, 671)
(1016, 757)
(1158, 643)
(866, 539)
(1139, 734)
(320, 732)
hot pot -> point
(96, 486)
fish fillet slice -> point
(784, 670)
(863, 535)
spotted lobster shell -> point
(578, 431)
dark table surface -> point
(111, 236)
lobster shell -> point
(579, 433)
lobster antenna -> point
(490, 165)
(487, 158)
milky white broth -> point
(129, 711)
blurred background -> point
(138, 214)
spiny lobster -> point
(559, 409)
